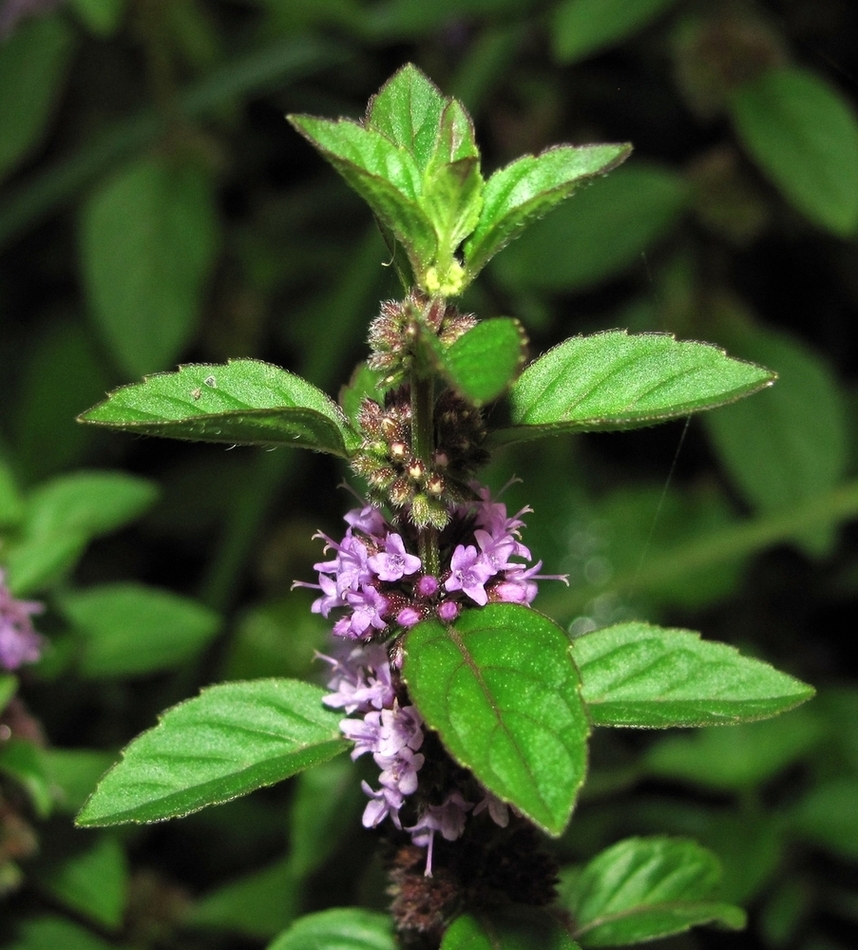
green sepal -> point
(646, 888)
(529, 188)
(500, 688)
(617, 380)
(242, 402)
(231, 739)
(647, 677)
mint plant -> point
(475, 707)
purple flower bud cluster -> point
(19, 642)
(363, 682)
(376, 580)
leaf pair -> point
(414, 160)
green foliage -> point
(244, 401)
(584, 27)
(804, 136)
(645, 888)
(635, 674)
(342, 928)
(148, 239)
(230, 740)
(503, 694)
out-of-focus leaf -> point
(101, 17)
(645, 888)
(528, 188)
(341, 928)
(608, 227)
(93, 882)
(790, 444)
(508, 928)
(804, 135)
(231, 739)
(737, 758)
(22, 761)
(50, 933)
(33, 64)
(828, 817)
(64, 514)
(8, 686)
(517, 724)
(148, 240)
(241, 402)
(583, 27)
(130, 629)
(636, 674)
(73, 774)
(616, 381)
(11, 502)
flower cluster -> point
(391, 730)
(375, 579)
(19, 642)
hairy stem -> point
(423, 445)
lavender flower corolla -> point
(19, 642)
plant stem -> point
(423, 445)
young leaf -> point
(383, 174)
(584, 27)
(242, 402)
(130, 629)
(482, 363)
(613, 380)
(530, 187)
(639, 675)
(231, 739)
(145, 283)
(804, 135)
(645, 888)
(630, 211)
(340, 928)
(499, 687)
(508, 928)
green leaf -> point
(482, 363)
(33, 64)
(101, 17)
(828, 817)
(130, 629)
(228, 741)
(789, 445)
(8, 687)
(73, 774)
(341, 928)
(64, 514)
(646, 888)
(11, 502)
(502, 692)
(93, 882)
(145, 282)
(384, 175)
(510, 928)
(735, 759)
(614, 380)
(241, 402)
(804, 135)
(629, 211)
(584, 27)
(636, 674)
(530, 187)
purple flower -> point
(408, 617)
(401, 727)
(365, 733)
(394, 563)
(367, 605)
(448, 818)
(367, 519)
(354, 688)
(399, 771)
(469, 573)
(384, 802)
(427, 586)
(19, 642)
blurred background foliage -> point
(155, 208)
